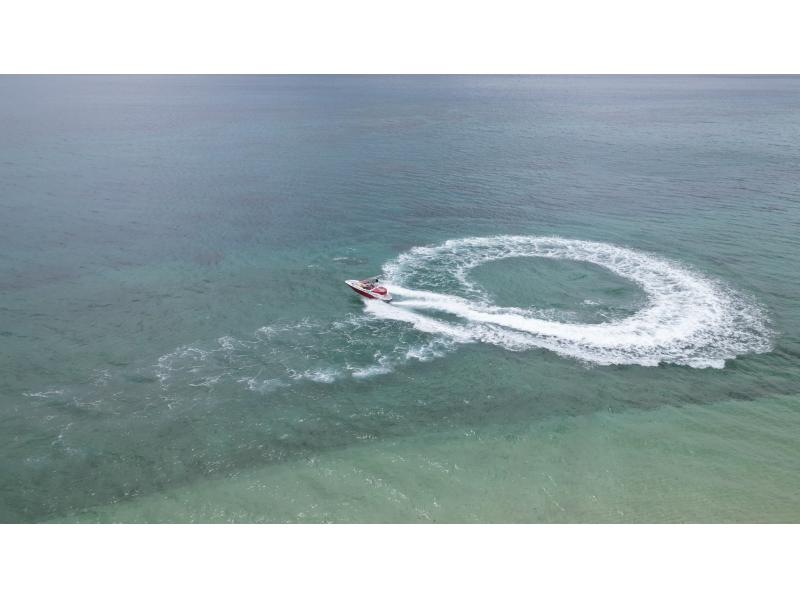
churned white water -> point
(689, 319)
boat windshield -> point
(369, 282)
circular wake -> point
(688, 319)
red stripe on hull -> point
(362, 293)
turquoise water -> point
(595, 316)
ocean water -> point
(596, 313)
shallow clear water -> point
(595, 316)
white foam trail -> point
(688, 320)
(43, 394)
(372, 370)
(420, 322)
(262, 386)
(325, 376)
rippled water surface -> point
(595, 315)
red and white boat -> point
(369, 288)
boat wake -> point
(688, 319)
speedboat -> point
(369, 288)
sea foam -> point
(689, 319)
